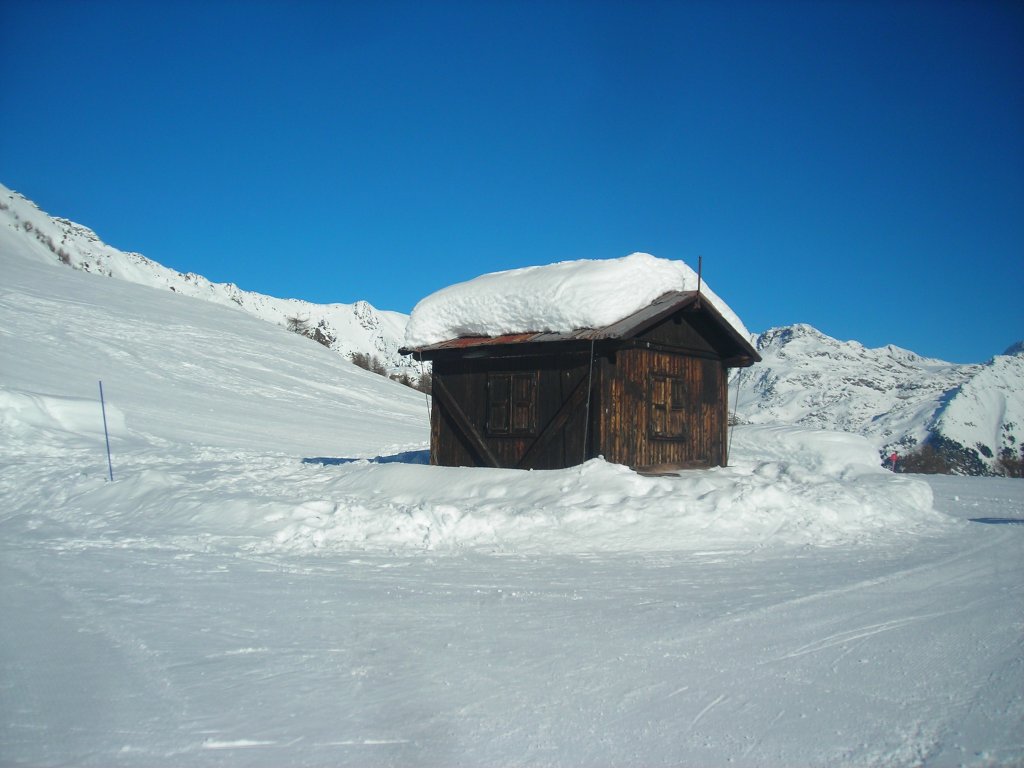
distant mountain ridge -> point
(971, 413)
(345, 328)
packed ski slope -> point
(274, 576)
(119, 651)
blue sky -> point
(858, 166)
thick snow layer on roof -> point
(556, 298)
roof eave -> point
(626, 328)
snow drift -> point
(788, 487)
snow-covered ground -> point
(274, 576)
(147, 650)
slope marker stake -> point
(106, 433)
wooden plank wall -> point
(558, 376)
(625, 417)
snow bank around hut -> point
(788, 487)
(555, 298)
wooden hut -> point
(648, 391)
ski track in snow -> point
(889, 655)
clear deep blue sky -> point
(858, 166)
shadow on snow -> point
(406, 457)
(999, 520)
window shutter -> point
(523, 403)
(498, 414)
(659, 405)
(512, 403)
(668, 400)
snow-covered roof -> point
(556, 298)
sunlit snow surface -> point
(589, 293)
(274, 577)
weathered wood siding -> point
(683, 332)
(557, 437)
(639, 429)
(664, 397)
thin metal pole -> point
(426, 395)
(586, 421)
(106, 433)
(735, 409)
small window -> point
(512, 403)
(667, 406)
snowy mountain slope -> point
(175, 369)
(985, 413)
(890, 395)
(345, 328)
